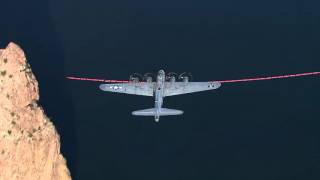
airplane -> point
(163, 87)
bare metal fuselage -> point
(158, 93)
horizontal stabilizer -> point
(152, 112)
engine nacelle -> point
(148, 77)
(135, 77)
(185, 77)
(171, 77)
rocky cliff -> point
(29, 143)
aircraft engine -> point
(135, 77)
(148, 77)
(185, 77)
(172, 76)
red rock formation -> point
(29, 143)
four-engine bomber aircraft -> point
(159, 89)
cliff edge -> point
(29, 143)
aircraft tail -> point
(152, 112)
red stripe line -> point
(96, 80)
(269, 78)
(221, 81)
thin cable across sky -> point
(96, 80)
(221, 81)
(269, 77)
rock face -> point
(29, 143)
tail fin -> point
(152, 112)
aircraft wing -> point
(140, 88)
(177, 88)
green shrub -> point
(3, 73)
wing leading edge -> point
(177, 88)
(141, 88)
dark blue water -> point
(260, 130)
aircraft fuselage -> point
(158, 93)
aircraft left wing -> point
(135, 88)
(177, 88)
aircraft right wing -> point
(139, 88)
(177, 88)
